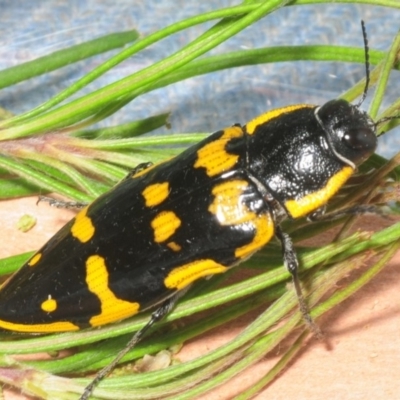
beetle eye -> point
(350, 131)
(360, 139)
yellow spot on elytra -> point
(83, 228)
(265, 228)
(49, 305)
(174, 246)
(184, 275)
(35, 259)
(112, 308)
(155, 194)
(251, 126)
(229, 208)
(305, 205)
(39, 328)
(228, 204)
(213, 156)
(164, 225)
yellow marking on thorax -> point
(155, 194)
(83, 228)
(35, 259)
(184, 275)
(213, 156)
(252, 126)
(304, 206)
(112, 308)
(164, 225)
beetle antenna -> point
(367, 77)
(366, 49)
(383, 120)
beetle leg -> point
(79, 205)
(362, 209)
(140, 167)
(156, 316)
(61, 203)
(291, 263)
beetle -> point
(165, 226)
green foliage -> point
(58, 151)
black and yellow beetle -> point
(142, 244)
(196, 215)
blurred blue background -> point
(206, 103)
